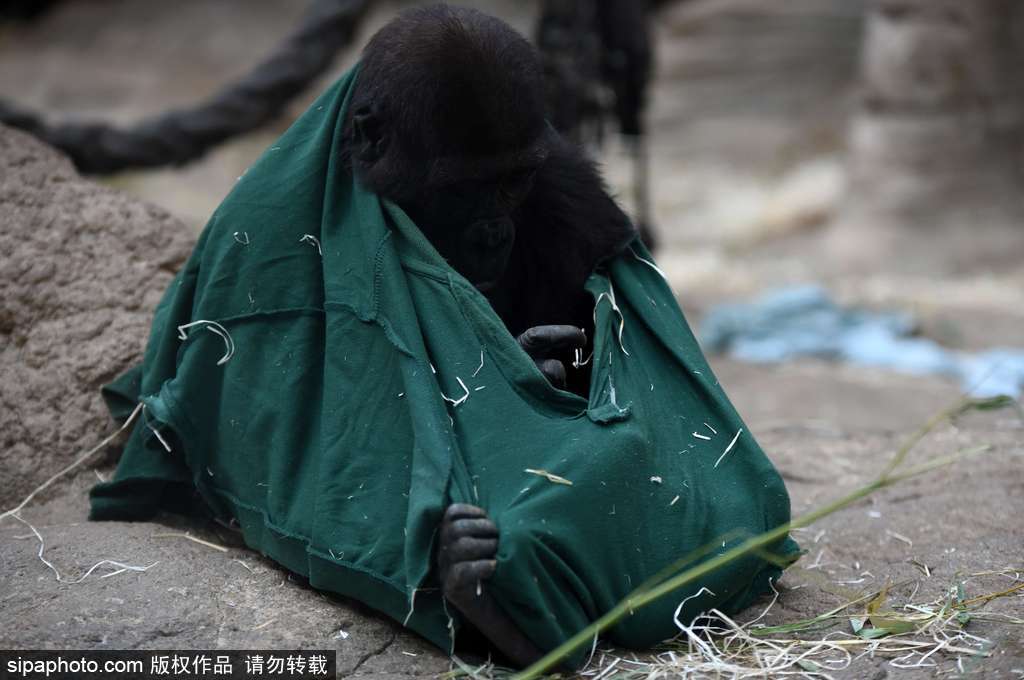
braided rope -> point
(182, 135)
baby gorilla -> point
(447, 120)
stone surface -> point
(192, 596)
(81, 269)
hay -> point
(215, 328)
(910, 636)
(313, 241)
(893, 473)
(578, 361)
(78, 462)
(160, 437)
(188, 536)
(246, 566)
(649, 264)
(484, 671)
(729, 447)
(715, 645)
(120, 566)
(555, 479)
(610, 296)
(461, 400)
(13, 512)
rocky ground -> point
(744, 195)
(828, 430)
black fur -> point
(447, 120)
(567, 225)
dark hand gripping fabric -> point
(333, 441)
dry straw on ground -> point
(716, 646)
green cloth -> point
(371, 386)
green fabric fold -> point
(370, 386)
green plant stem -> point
(641, 597)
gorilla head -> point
(447, 120)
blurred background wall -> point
(872, 145)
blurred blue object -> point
(803, 321)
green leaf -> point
(894, 626)
(872, 633)
(809, 666)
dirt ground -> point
(743, 198)
(828, 431)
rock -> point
(190, 596)
(81, 268)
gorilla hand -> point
(466, 560)
(540, 342)
(468, 552)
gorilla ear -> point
(368, 139)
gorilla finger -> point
(553, 370)
(470, 528)
(542, 340)
(462, 511)
(467, 549)
(466, 575)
